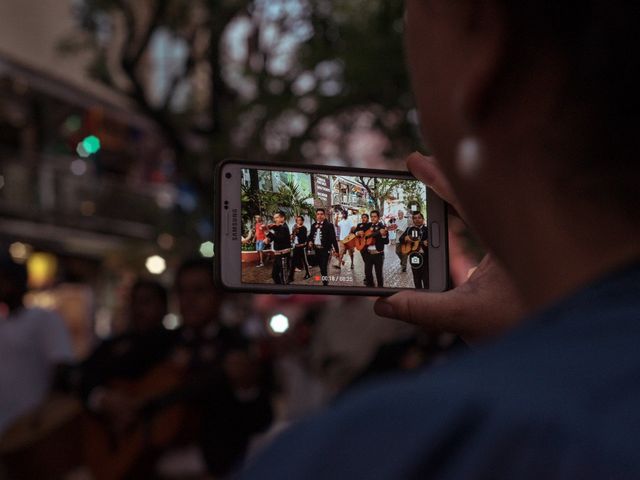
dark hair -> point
(365, 215)
(321, 210)
(14, 272)
(281, 213)
(300, 216)
(155, 287)
(345, 214)
(413, 214)
(196, 263)
(376, 212)
(599, 109)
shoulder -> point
(541, 403)
(41, 318)
(419, 426)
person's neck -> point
(562, 254)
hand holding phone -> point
(485, 305)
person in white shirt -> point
(402, 223)
(344, 228)
(33, 343)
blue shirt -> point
(557, 398)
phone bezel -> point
(227, 250)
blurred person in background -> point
(198, 392)
(531, 109)
(344, 341)
(130, 355)
(34, 343)
(226, 378)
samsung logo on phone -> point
(234, 224)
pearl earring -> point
(469, 157)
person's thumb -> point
(434, 311)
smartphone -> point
(330, 230)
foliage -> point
(293, 201)
(257, 202)
(248, 247)
(289, 198)
(379, 190)
(414, 194)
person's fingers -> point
(485, 305)
(434, 311)
(426, 169)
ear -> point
(484, 31)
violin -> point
(295, 231)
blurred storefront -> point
(86, 192)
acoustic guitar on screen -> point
(365, 240)
(409, 245)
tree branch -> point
(177, 79)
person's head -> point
(279, 217)
(13, 282)
(375, 216)
(198, 298)
(392, 220)
(299, 220)
(365, 218)
(321, 214)
(417, 218)
(530, 102)
(345, 214)
(400, 214)
(257, 219)
(148, 305)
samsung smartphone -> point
(329, 230)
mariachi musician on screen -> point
(375, 237)
(323, 239)
(414, 242)
(278, 234)
(359, 231)
(299, 239)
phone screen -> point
(319, 229)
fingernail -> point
(385, 309)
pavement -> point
(344, 276)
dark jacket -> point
(301, 237)
(280, 237)
(555, 398)
(380, 241)
(362, 227)
(328, 238)
(416, 233)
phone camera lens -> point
(228, 175)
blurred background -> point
(113, 116)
